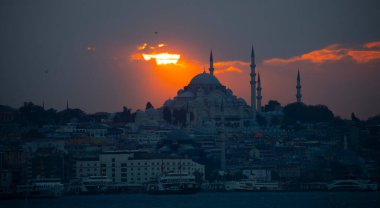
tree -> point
(299, 112)
(261, 120)
(375, 120)
(148, 106)
(68, 115)
(125, 116)
(272, 105)
(30, 114)
(275, 120)
(354, 118)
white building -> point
(134, 168)
(95, 131)
(87, 167)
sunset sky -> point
(91, 52)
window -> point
(123, 164)
(123, 169)
(113, 159)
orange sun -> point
(170, 65)
(162, 58)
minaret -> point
(253, 84)
(259, 97)
(223, 140)
(211, 64)
(67, 104)
(299, 95)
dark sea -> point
(199, 200)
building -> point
(134, 168)
(86, 167)
(7, 114)
(198, 104)
(202, 99)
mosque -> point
(210, 104)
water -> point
(207, 200)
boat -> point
(174, 183)
(75, 186)
(97, 184)
(352, 185)
(251, 185)
(41, 188)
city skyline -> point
(88, 57)
(213, 103)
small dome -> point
(179, 91)
(168, 103)
(242, 101)
(186, 94)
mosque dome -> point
(203, 79)
(242, 101)
(168, 103)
